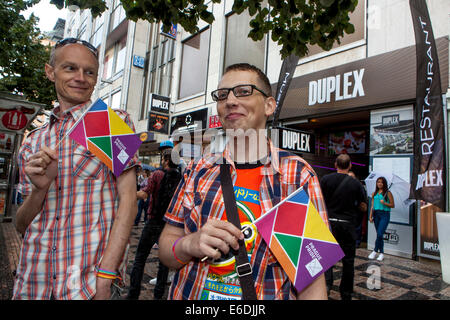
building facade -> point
(357, 98)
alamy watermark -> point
(374, 280)
(247, 145)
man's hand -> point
(42, 168)
(103, 289)
(215, 234)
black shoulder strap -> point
(243, 267)
(340, 186)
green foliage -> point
(293, 24)
(22, 56)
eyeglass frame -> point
(66, 41)
(237, 96)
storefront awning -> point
(379, 80)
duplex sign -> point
(324, 90)
(295, 140)
(159, 103)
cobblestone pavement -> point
(393, 279)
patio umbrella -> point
(396, 185)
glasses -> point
(242, 90)
(63, 42)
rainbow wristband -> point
(173, 250)
(106, 274)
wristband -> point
(173, 250)
(106, 274)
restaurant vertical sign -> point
(429, 176)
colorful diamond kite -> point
(106, 135)
(299, 239)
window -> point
(159, 67)
(96, 38)
(357, 18)
(81, 33)
(107, 65)
(115, 100)
(71, 30)
(121, 49)
(114, 60)
(146, 77)
(117, 16)
(194, 65)
(240, 48)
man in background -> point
(161, 187)
(343, 196)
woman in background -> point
(380, 212)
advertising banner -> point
(189, 122)
(296, 140)
(158, 123)
(428, 240)
(284, 80)
(347, 142)
(15, 115)
(159, 103)
(392, 131)
(398, 239)
(429, 176)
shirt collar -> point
(76, 112)
(214, 157)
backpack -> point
(166, 190)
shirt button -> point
(54, 248)
(54, 277)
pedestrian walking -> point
(380, 213)
(344, 197)
(161, 191)
(214, 259)
(142, 203)
(77, 216)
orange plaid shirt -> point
(67, 239)
(199, 198)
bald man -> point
(343, 196)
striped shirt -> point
(199, 198)
(67, 239)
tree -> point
(293, 24)
(22, 56)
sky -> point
(48, 14)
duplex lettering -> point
(296, 141)
(430, 178)
(321, 91)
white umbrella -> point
(396, 185)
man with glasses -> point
(77, 216)
(196, 225)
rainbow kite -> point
(299, 239)
(105, 134)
